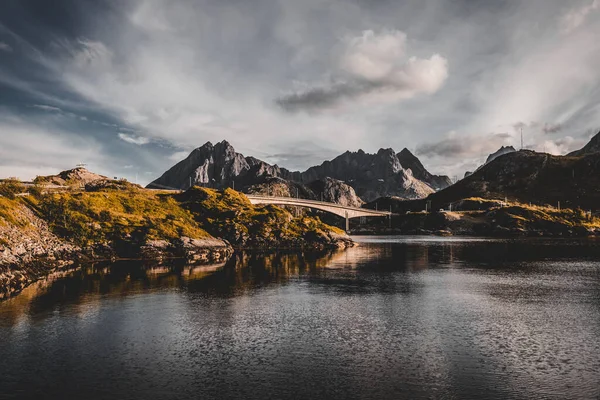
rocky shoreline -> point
(30, 251)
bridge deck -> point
(334, 208)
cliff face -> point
(217, 165)
(370, 175)
(335, 191)
(409, 161)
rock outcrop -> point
(335, 191)
(328, 189)
(79, 176)
(29, 250)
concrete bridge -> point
(333, 208)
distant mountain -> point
(79, 176)
(409, 161)
(370, 175)
(500, 152)
(593, 146)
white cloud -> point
(47, 108)
(560, 146)
(373, 68)
(182, 74)
(32, 147)
(133, 139)
(575, 17)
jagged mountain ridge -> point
(500, 152)
(370, 175)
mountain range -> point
(353, 178)
(526, 176)
(371, 176)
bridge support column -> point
(347, 222)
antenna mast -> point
(521, 138)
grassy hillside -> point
(478, 216)
(91, 217)
(230, 215)
(107, 213)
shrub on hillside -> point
(11, 187)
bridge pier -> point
(347, 223)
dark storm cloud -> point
(320, 98)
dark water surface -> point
(404, 317)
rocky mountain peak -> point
(500, 152)
(410, 162)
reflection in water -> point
(393, 317)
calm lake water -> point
(396, 317)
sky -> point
(129, 87)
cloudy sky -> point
(131, 86)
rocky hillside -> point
(28, 248)
(592, 147)
(370, 175)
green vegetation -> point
(11, 187)
(8, 214)
(476, 204)
(107, 215)
(518, 216)
(229, 214)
